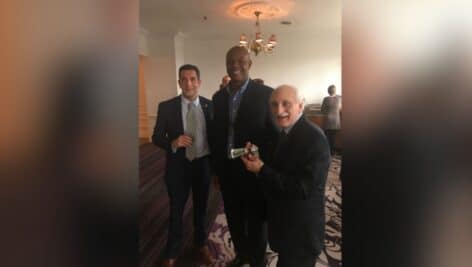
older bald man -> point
(293, 175)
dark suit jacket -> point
(294, 178)
(169, 126)
(252, 122)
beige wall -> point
(310, 63)
(143, 42)
(160, 74)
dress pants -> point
(180, 177)
(245, 209)
(331, 136)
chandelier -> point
(258, 45)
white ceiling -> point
(308, 17)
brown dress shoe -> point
(204, 256)
(169, 263)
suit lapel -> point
(282, 150)
(178, 111)
(225, 108)
(205, 110)
(289, 147)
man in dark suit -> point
(241, 114)
(293, 175)
(181, 129)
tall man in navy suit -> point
(293, 173)
(241, 114)
(181, 129)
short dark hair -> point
(235, 48)
(331, 89)
(189, 67)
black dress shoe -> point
(237, 262)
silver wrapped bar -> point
(238, 152)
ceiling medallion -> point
(268, 10)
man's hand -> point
(181, 141)
(252, 161)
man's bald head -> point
(286, 105)
(290, 89)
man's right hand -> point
(182, 141)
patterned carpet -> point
(155, 211)
(331, 256)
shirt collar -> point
(241, 90)
(185, 101)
